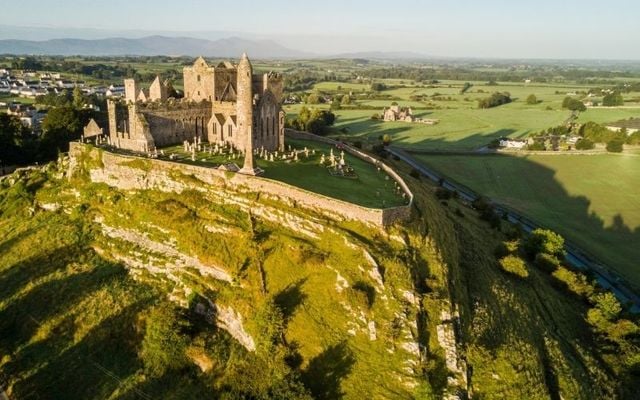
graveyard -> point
(310, 165)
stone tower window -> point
(198, 78)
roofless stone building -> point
(225, 104)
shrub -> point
(532, 99)
(608, 305)
(615, 146)
(576, 282)
(164, 343)
(547, 262)
(584, 144)
(536, 146)
(514, 265)
(544, 241)
(386, 139)
(414, 173)
(496, 99)
(357, 144)
(612, 100)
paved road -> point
(575, 256)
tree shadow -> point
(325, 372)
(289, 298)
(92, 368)
(15, 277)
(368, 290)
(21, 318)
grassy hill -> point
(110, 294)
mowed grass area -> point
(593, 201)
(372, 188)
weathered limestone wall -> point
(173, 124)
(128, 172)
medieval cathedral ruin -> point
(225, 104)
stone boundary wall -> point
(356, 152)
(133, 172)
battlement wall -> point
(132, 172)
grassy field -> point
(591, 200)
(462, 127)
(371, 188)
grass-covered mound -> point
(110, 294)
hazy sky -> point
(487, 28)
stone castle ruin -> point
(226, 105)
(404, 114)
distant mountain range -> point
(151, 46)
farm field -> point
(591, 200)
(462, 127)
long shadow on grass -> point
(91, 369)
(326, 371)
(21, 318)
(15, 277)
(289, 298)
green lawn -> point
(606, 115)
(462, 129)
(371, 188)
(592, 200)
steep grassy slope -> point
(262, 300)
(522, 338)
(110, 294)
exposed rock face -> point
(231, 321)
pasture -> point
(462, 127)
(591, 200)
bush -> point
(608, 304)
(514, 265)
(615, 146)
(547, 262)
(536, 146)
(414, 173)
(573, 104)
(576, 282)
(612, 100)
(584, 144)
(357, 144)
(532, 99)
(496, 99)
(164, 343)
(544, 241)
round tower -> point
(244, 107)
(244, 101)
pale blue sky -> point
(488, 28)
